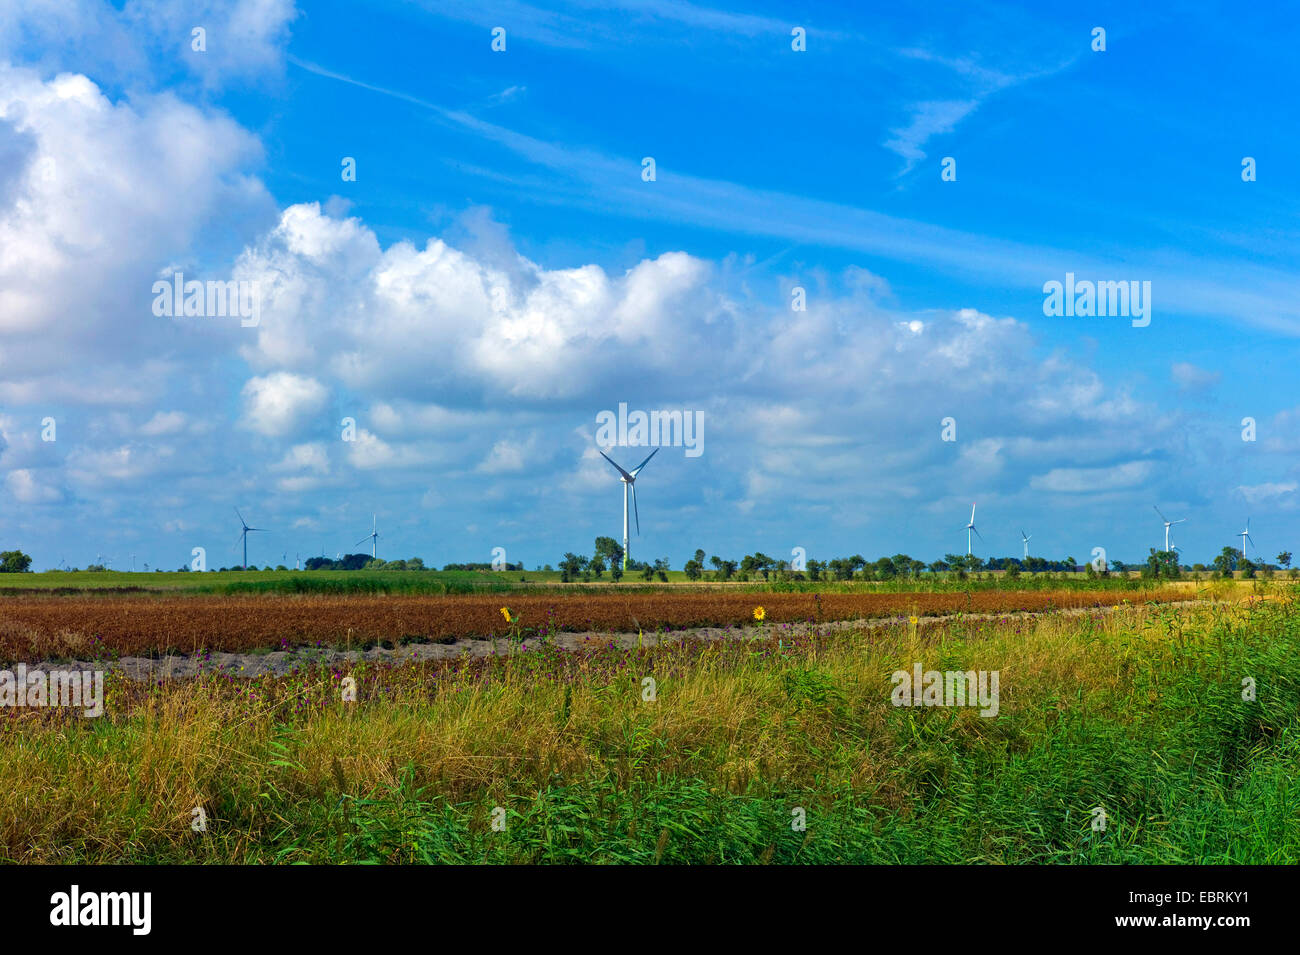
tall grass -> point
(1139, 713)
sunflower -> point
(759, 613)
(505, 612)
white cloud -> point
(164, 423)
(928, 120)
(245, 39)
(26, 488)
(305, 457)
(82, 238)
(1280, 493)
(278, 404)
(1191, 379)
(1093, 480)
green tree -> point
(608, 551)
(14, 562)
(1226, 562)
(572, 566)
(1284, 559)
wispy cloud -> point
(973, 82)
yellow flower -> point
(759, 613)
(505, 612)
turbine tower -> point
(244, 536)
(1245, 536)
(1026, 541)
(373, 536)
(629, 481)
(1168, 524)
(971, 527)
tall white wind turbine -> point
(971, 527)
(629, 481)
(1245, 536)
(1168, 524)
(244, 536)
(373, 536)
(1026, 541)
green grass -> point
(235, 582)
(440, 582)
(1139, 712)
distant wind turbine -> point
(629, 481)
(1245, 536)
(1168, 524)
(243, 535)
(373, 537)
(1026, 541)
(971, 527)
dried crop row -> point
(44, 627)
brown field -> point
(40, 627)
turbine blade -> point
(977, 532)
(1179, 521)
(637, 470)
(972, 513)
(1162, 516)
(626, 476)
(241, 518)
(362, 541)
(635, 511)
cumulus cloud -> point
(278, 404)
(102, 195)
(27, 488)
(428, 323)
(138, 40)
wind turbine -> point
(629, 481)
(243, 534)
(373, 536)
(1245, 536)
(971, 527)
(1168, 524)
(1026, 540)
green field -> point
(1140, 714)
(234, 582)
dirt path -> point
(280, 663)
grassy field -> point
(1139, 713)
(237, 582)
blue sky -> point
(499, 273)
